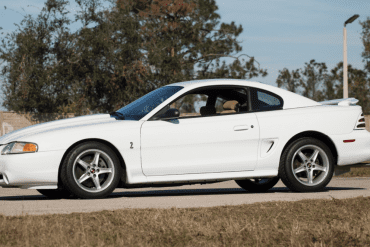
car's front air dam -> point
(32, 168)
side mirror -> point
(170, 114)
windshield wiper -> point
(117, 114)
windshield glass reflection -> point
(142, 106)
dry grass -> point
(357, 172)
(303, 223)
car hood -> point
(56, 125)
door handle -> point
(241, 127)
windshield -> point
(142, 106)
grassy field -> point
(304, 223)
(357, 172)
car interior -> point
(222, 101)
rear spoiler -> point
(342, 102)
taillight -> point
(360, 122)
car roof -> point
(291, 100)
(208, 82)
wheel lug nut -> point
(97, 170)
(94, 175)
(88, 174)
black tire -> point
(98, 169)
(56, 193)
(258, 185)
(299, 173)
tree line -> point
(135, 46)
(119, 54)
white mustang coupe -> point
(191, 132)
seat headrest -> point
(231, 105)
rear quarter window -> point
(265, 100)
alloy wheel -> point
(310, 165)
(93, 170)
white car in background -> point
(190, 132)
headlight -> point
(19, 148)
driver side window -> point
(190, 104)
(232, 101)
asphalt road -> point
(21, 202)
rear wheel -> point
(258, 184)
(306, 165)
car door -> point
(225, 141)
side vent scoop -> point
(268, 146)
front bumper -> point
(30, 170)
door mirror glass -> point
(170, 114)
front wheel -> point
(91, 170)
(306, 165)
(258, 184)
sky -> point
(278, 33)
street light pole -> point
(345, 74)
